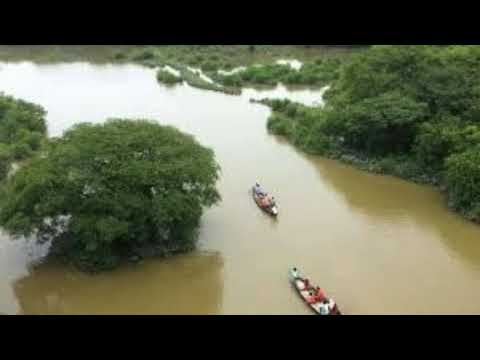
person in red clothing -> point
(311, 299)
(319, 294)
(316, 295)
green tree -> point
(118, 190)
(438, 140)
(380, 125)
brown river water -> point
(378, 244)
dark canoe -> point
(297, 283)
(271, 210)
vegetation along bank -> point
(409, 111)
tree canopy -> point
(103, 193)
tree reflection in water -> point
(185, 284)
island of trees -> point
(101, 194)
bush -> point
(232, 81)
(436, 141)
(167, 77)
(144, 54)
(291, 110)
(410, 169)
(103, 193)
(463, 182)
(119, 56)
(279, 125)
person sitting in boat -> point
(319, 295)
(316, 295)
(311, 299)
(258, 190)
(306, 285)
(324, 308)
(265, 201)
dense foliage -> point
(463, 181)
(102, 193)
(412, 111)
(22, 130)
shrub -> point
(463, 181)
(167, 77)
(279, 125)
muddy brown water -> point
(378, 244)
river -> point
(378, 244)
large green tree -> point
(123, 189)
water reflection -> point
(188, 284)
(16, 257)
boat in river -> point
(299, 284)
(272, 209)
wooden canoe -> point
(297, 281)
(271, 210)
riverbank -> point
(296, 122)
